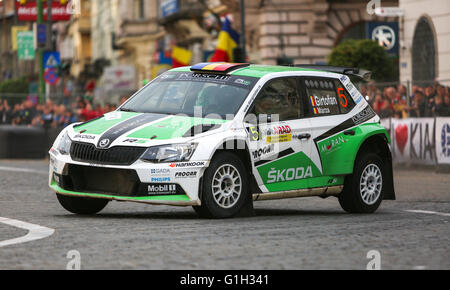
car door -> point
(329, 105)
(280, 139)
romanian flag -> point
(180, 56)
(227, 42)
(314, 106)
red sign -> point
(51, 76)
(28, 10)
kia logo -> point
(104, 143)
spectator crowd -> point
(428, 101)
(50, 114)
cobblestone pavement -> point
(311, 233)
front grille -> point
(122, 182)
(119, 155)
(110, 181)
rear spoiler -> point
(349, 71)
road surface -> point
(310, 233)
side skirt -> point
(308, 192)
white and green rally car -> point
(218, 136)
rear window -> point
(327, 97)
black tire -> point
(210, 208)
(82, 205)
(351, 199)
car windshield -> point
(192, 94)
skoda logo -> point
(104, 143)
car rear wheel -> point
(363, 191)
(82, 205)
(225, 189)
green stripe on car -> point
(173, 127)
(98, 127)
(58, 189)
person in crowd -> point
(123, 100)
(5, 112)
(429, 98)
(51, 114)
(70, 118)
(99, 111)
(16, 114)
(440, 109)
(107, 108)
(372, 92)
(418, 105)
(402, 93)
(59, 116)
(46, 117)
(28, 113)
(377, 102)
(386, 110)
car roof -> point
(254, 70)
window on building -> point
(139, 9)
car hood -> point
(141, 129)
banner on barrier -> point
(443, 140)
(400, 139)
(413, 140)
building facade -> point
(425, 52)
(10, 66)
(304, 31)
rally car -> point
(218, 136)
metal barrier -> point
(422, 141)
(21, 142)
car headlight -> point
(64, 144)
(169, 153)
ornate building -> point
(425, 53)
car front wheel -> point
(82, 205)
(225, 187)
(363, 191)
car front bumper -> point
(163, 183)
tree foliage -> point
(14, 91)
(365, 54)
(15, 86)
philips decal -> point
(160, 179)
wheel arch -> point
(378, 143)
(240, 148)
